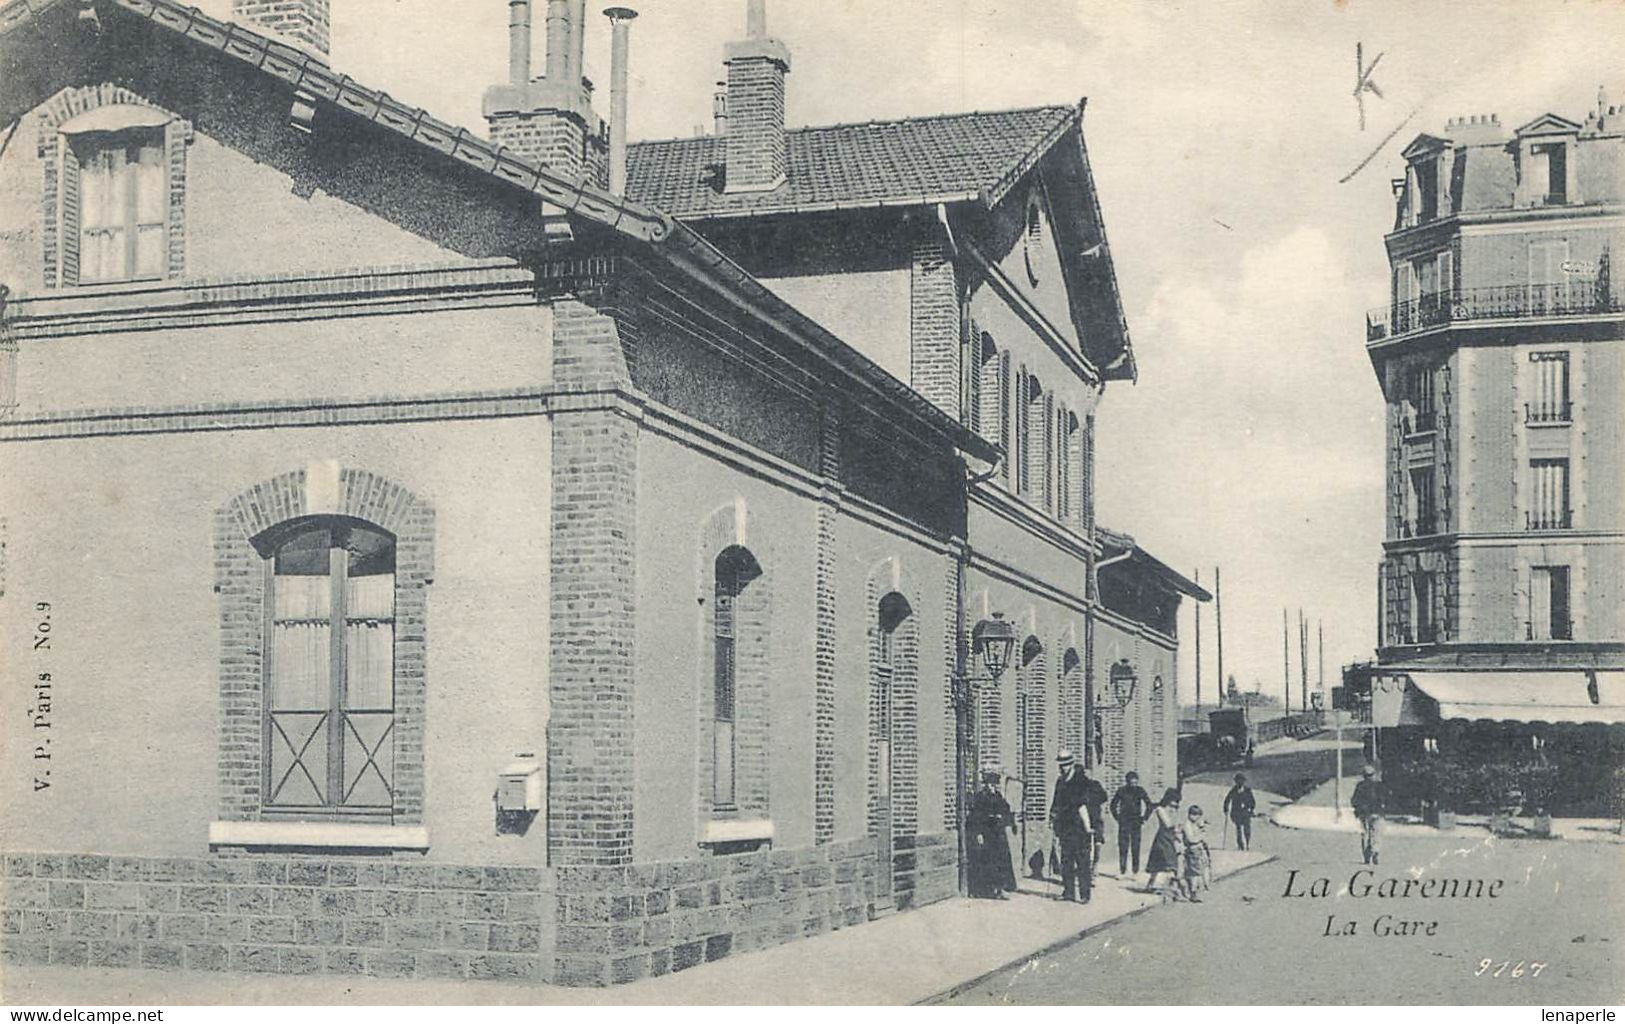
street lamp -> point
(993, 640)
(1122, 681)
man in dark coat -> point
(1069, 820)
(1369, 801)
(989, 872)
(1239, 804)
(1094, 798)
(1131, 806)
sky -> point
(1218, 132)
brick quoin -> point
(829, 439)
(594, 589)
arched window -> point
(1031, 715)
(992, 398)
(1032, 238)
(330, 673)
(1021, 447)
(735, 569)
(115, 179)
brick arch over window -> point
(894, 693)
(734, 586)
(61, 193)
(243, 528)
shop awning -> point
(1577, 696)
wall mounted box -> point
(519, 786)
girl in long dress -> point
(1165, 862)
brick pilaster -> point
(593, 519)
(824, 650)
(934, 325)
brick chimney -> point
(549, 119)
(301, 23)
(754, 105)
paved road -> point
(1251, 943)
(1295, 770)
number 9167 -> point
(1509, 968)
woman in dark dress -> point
(990, 873)
(1164, 858)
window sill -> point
(318, 834)
(737, 831)
(1542, 424)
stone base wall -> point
(621, 924)
(927, 869)
(391, 918)
(280, 915)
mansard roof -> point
(48, 45)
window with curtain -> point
(330, 694)
(724, 679)
(1549, 495)
(123, 205)
(1551, 404)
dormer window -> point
(1548, 170)
(1545, 158)
(1427, 188)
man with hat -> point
(989, 873)
(1369, 801)
(1240, 805)
(1069, 820)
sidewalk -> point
(905, 958)
(1315, 811)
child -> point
(1198, 864)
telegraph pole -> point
(1198, 656)
(1320, 681)
(1218, 627)
(1286, 667)
(1303, 662)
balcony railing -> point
(1420, 422)
(1504, 302)
(1421, 526)
(1548, 412)
(1549, 520)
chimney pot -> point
(719, 108)
(518, 43)
(620, 22)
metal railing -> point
(1421, 526)
(1549, 520)
(1422, 422)
(1548, 412)
(1502, 302)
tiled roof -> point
(919, 160)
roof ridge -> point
(1068, 108)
